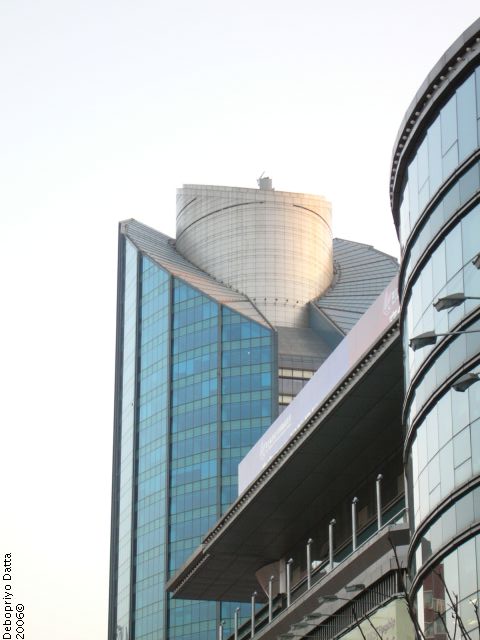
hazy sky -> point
(105, 109)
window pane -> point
(448, 119)
(467, 120)
(471, 234)
(435, 155)
(461, 447)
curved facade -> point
(273, 246)
(435, 193)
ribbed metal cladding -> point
(273, 246)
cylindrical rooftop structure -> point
(273, 246)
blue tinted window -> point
(152, 451)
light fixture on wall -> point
(430, 337)
(466, 381)
(452, 300)
(423, 340)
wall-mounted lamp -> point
(354, 587)
(466, 381)
(423, 340)
(430, 337)
(328, 598)
(452, 300)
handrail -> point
(300, 587)
(261, 618)
(343, 550)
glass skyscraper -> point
(436, 204)
(202, 370)
(196, 392)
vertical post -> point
(406, 492)
(354, 523)
(289, 579)
(333, 522)
(309, 563)
(235, 623)
(220, 630)
(252, 616)
(270, 608)
(379, 501)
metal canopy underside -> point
(345, 444)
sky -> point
(106, 107)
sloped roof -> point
(361, 274)
(161, 249)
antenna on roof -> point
(264, 183)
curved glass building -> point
(435, 195)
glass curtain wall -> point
(221, 404)
(194, 445)
(125, 491)
(151, 451)
(196, 393)
(440, 235)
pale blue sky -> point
(106, 107)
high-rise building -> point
(318, 536)
(216, 333)
(435, 192)
(293, 539)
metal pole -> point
(288, 571)
(309, 563)
(354, 523)
(333, 522)
(252, 616)
(235, 623)
(270, 610)
(379, 501)
(220, 630)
